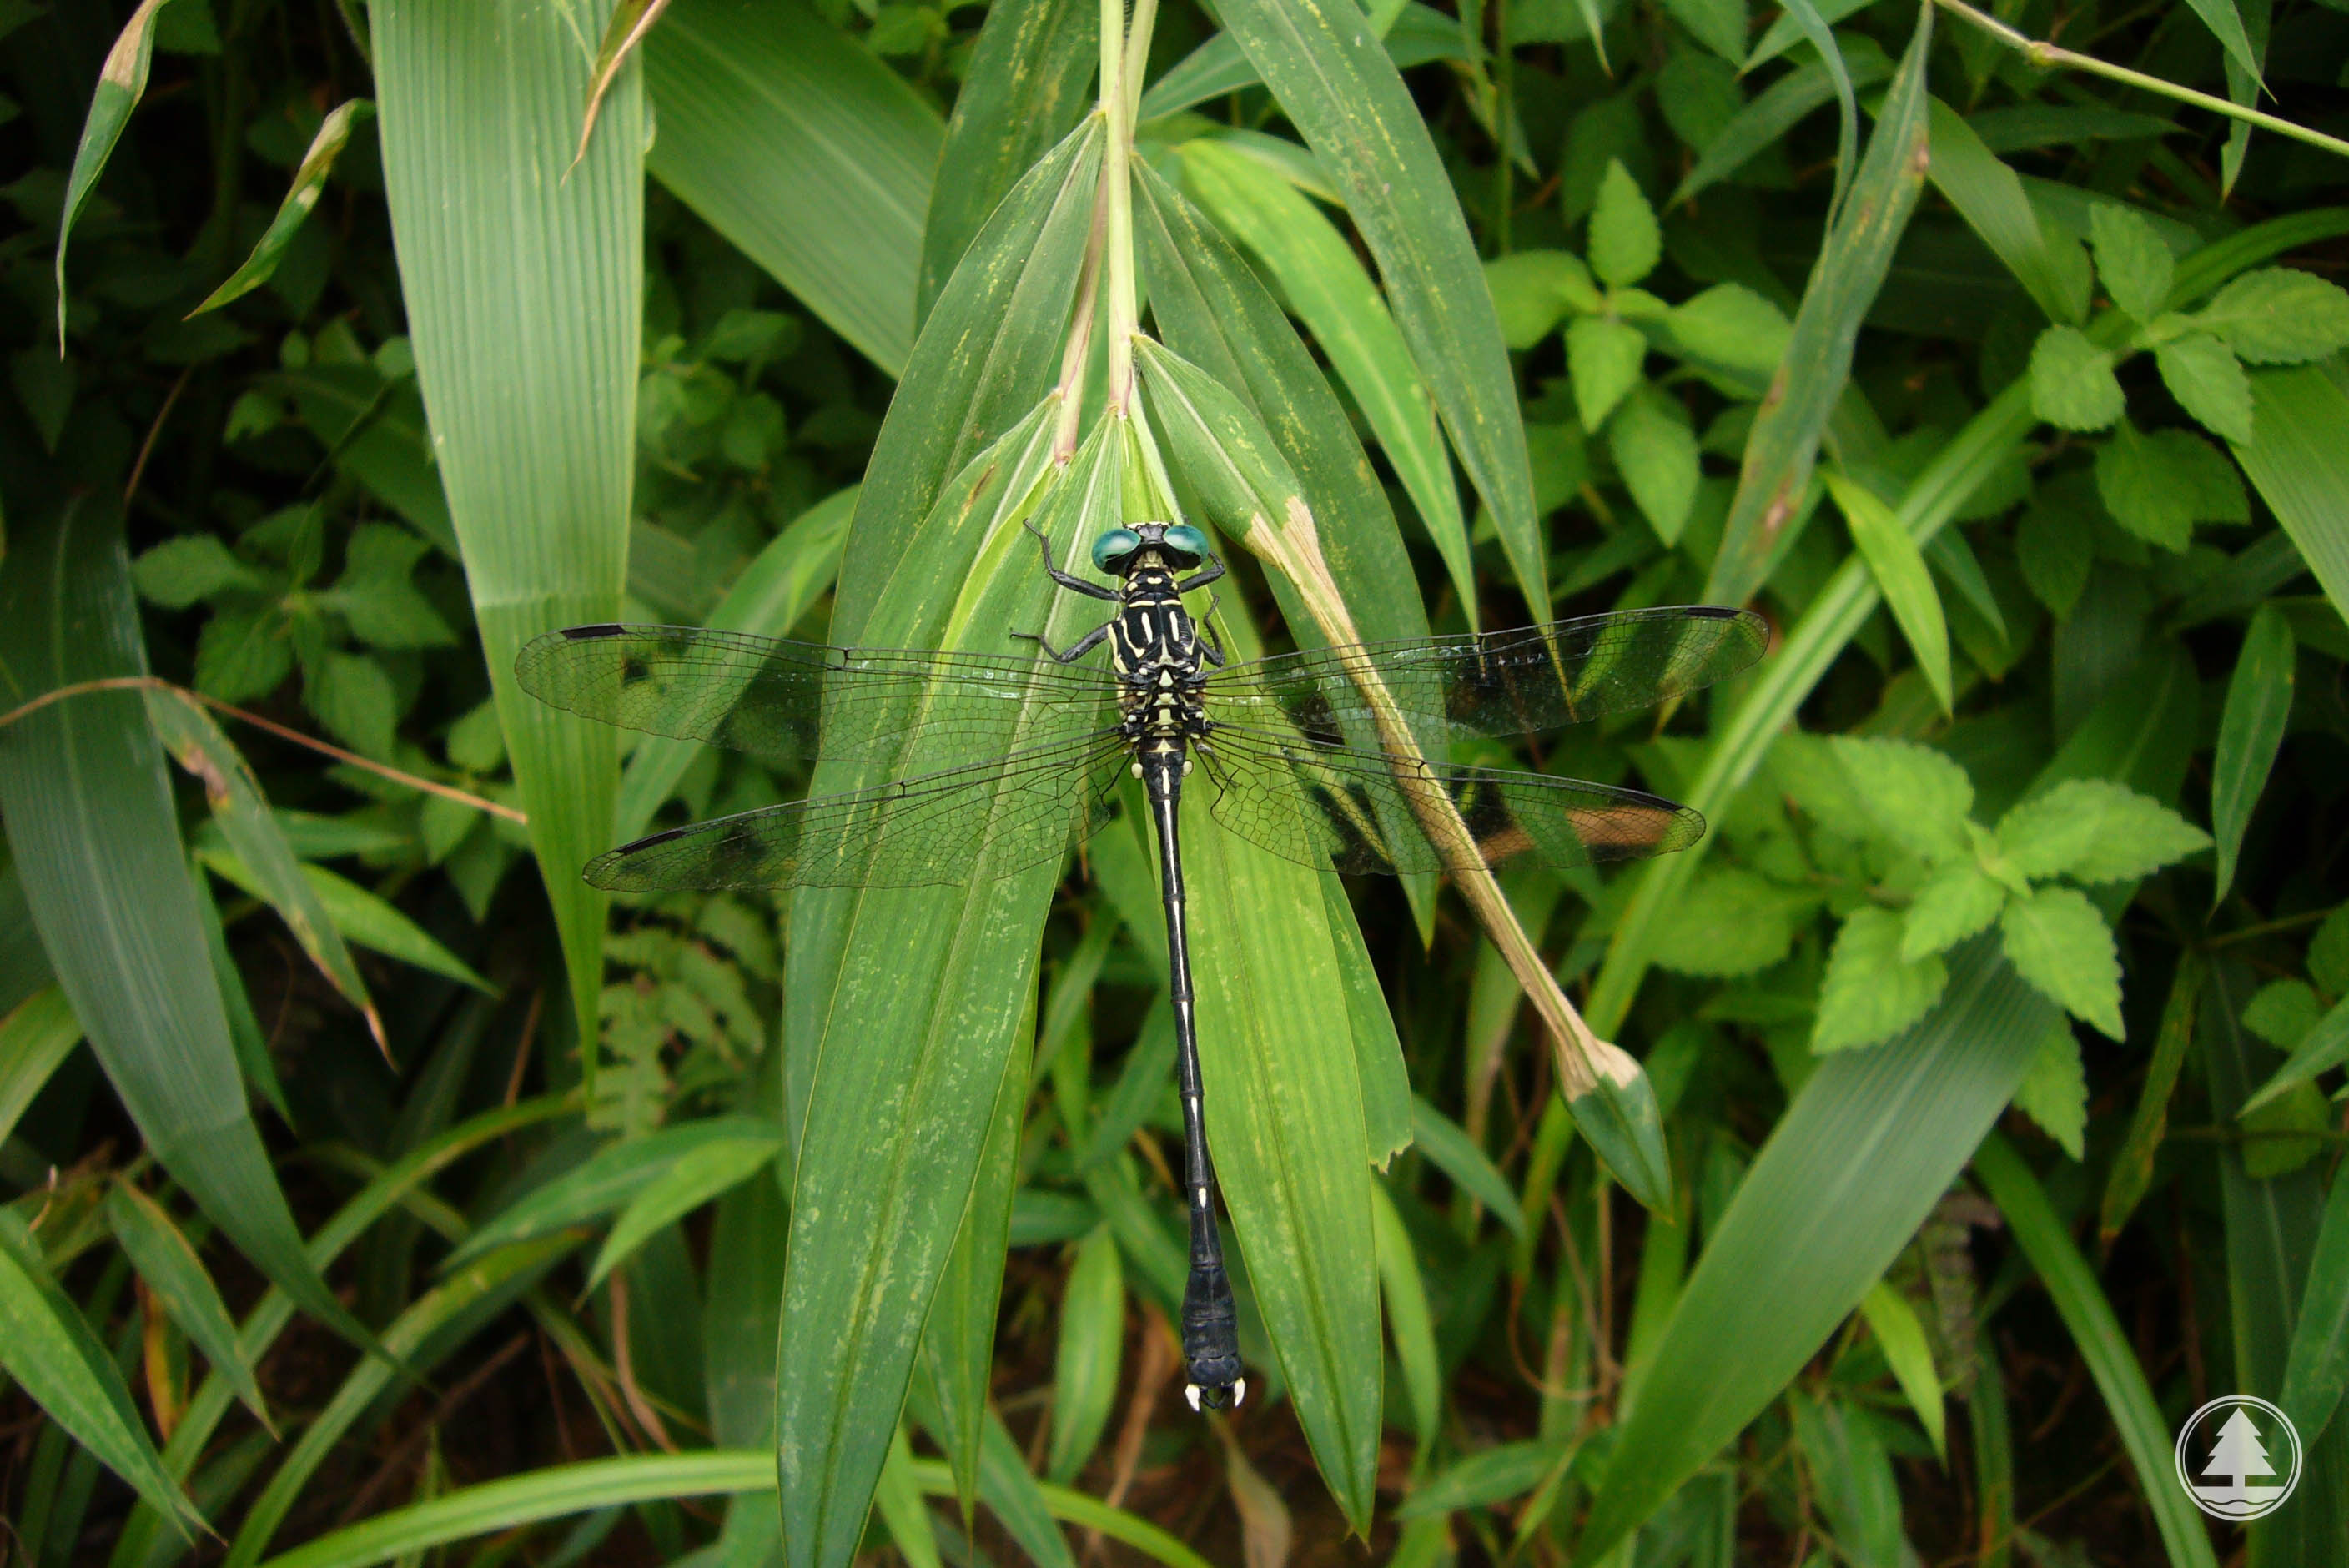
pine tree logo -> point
(2227, 1458)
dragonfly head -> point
(1177, 545)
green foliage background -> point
(408, 1199)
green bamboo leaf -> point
(526, 337)
(1773, 111)
(2103, 1344)
(1338, 88)
(1024, 87)
(48, 1347)
(2298, 459)
(1415, 34)
(355, 913)
(2251, 732)
(1901, 575)
(606, 1181)
(1869, 1144)
(309, 183)
(252, 833)
(810, 155)
(898, 1501)
(1330, 293)
(1449, 1147)
(738, 1313)
(2132, 1171)
(2316, 1370)
(2226, 24)
(691, 1181)
(1409, 1319)
(1502, 1471)
(1812, 19)
(35, 1038)
(2052, 267)
(121, 82)
(1852, 264)
(779, 586)
(176, 1275)
(1901, 1337)
(96, 843)
(1085, 1365)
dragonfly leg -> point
(1072, 583)
(1212, 572)
(1211, 647)
(1073, 652)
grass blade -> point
(2052, 268)
(2251, 732)
(2132, 1171)
(526, 334)
(1899, 568)
(121, 82)
(1338, 85)
(96, 843)
(1085, 1364)
(35, 1038)
(355, 913)
(175, 1275)
(2298, 459)
(690, 1180)
(1870, 1143)
(1851, 269)
(606, 1181)
(806, 153)
(309, 184)
(2316, 1370)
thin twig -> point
(147, 447)
(475, 1382)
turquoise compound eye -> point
(1116, 545)
(1187, 540)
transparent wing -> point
(1332, 806)
(778, 699)
(940, 828)
(1498, 682)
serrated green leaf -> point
(2209, 383)
(2055, 1092)
(187, 567)
(2279, 316)
(2250, 731)
(309, 183)
(2071, 381)
(1625, 243)
(1730, 922)
(1953, 903)
(2132, 261)
(700, 1174)
(1901, 575)
(2095, 830)
(1919, 798)
(1731, 325)
(2056, 940)
(1656, 454)
(2159, 484)
(2282, 1012)
(1872, 993)
(1603, 356)
(1533, 290)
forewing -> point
(1333, 806)
(942, 829)
(777, 699)
(1497, 683)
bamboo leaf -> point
(1415, 34)
(2251, 732)
(176, 1275)
(2132, 1171)
(692, 1180)
(2298, 459)
(2316, 1370)
(121, 82)
(810, 155)
(1085, 1362)
(1905, 1350)
(35, 1038)
(48, 1347)
(1851, 268)
(1898, 567)
(2052, 267)
(1409, 1319)
(526, 337)
(309, 184)
(1338, 85)
(96, 843)
(1869, 1144)
(355, 913)
(1449, 1147)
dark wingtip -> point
(605, 629)
(1715, 612)
(649, 839)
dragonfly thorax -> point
(1154, 649)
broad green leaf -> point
(35, 1036)
(96, 843)
(2055, 1092)
(2104, 1345)
(2316, 1368)
(1533, 290)
(2159, 484)
(2056, 940)
(2209, 383)
(1335, 298)
(1902, 578)
(1023, 87)
(1730, 922)
(309, 183)
(2095, 830)
(603, 1183)
(1450, 1150)
(1919, 798)
(2251, 732)
(121, 82)
(526, 338)
(357, 915)
(779, 586)
(2071, 381)
(1956, 902)
(1854, 259)
(1901, 1337)
(692, 1180)
(1625, 243)
(806, 153)
(2298, 460)
(2279, 316)
(1085, 1364)
(1603, 356)
(1656, 454)
(1337, 87)
(1990, 197)
(2132, 261)
(1869, 1146)
(1731, 325)
(175, 1275)
(1871, 992)
(48, 1347)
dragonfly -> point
(1290, 747)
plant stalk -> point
(1116, 210)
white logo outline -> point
(2200, 1496)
